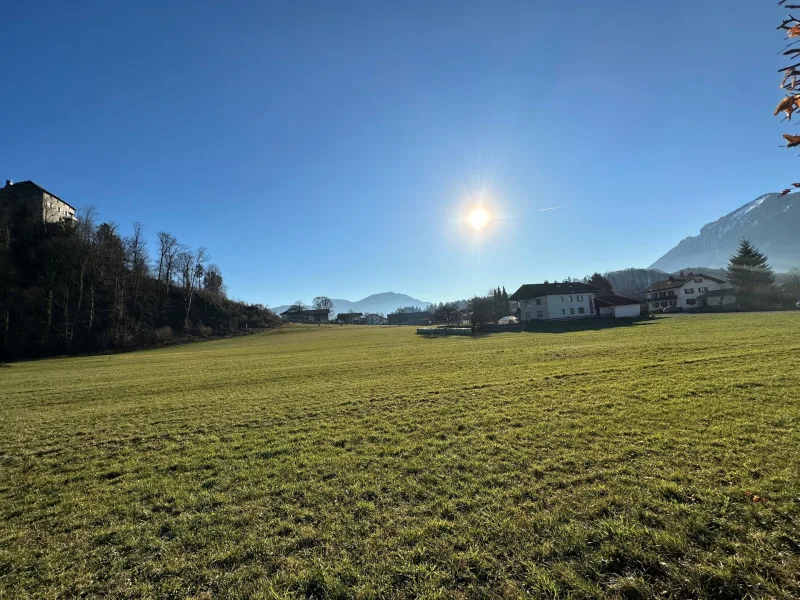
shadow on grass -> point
(568, 326)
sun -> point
(478, 218)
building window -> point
(580, 298)
(691, 301)
(562, 298)
(689, 290)
(538, 314)
(525, 303)
(700, 280)
(702, 290)
(538, 302)
(570, 298)
(581, 310)
(673, 303)
(527, 314)
(572, 311)
(563, 311)
(662, 294)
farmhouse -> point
(349, 317)
(618, 307)
(410, 318)
(297, 315)
(541, 301)
(40, 204)
(374, 319)
(683, 292)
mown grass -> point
(655, 460)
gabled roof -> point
(41, 189)
(676, 282)
(534, 290)
(615, 300)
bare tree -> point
(323, 303)
(136, 250)
(168, 250)
(191, 266)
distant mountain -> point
(385, 303)
(771, 222)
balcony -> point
(669, 296)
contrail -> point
(551, 208)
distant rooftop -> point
(534, 290)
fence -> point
(444, 331)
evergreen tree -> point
(600, 282)
(748, 271)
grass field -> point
(654, 460)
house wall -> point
(55, 210)
(627, 311)
(689, 291)
(557, 307)
(40, 205)
(569, 306)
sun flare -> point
(478, 218)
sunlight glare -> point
(478, 218)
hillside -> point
(770, 221)
(385, 303)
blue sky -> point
(333, 147)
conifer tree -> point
(749, 271)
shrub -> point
(162, 335)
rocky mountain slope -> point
(771, 222)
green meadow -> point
(653, 460)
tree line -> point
(76, 287)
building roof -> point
(315, 311)
(40, 188)
(534, 290)
(676, 282)
(615, 300)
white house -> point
(373, 319)
(542, 301)
(618, 307)
(683, 292)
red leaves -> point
(788, 105)
(755, 497)
(793, 31)
(793, 140)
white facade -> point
(557, 306)
(627, 311)
(686, 296)
(375, 320)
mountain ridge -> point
(383, 302)
(771, 222)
